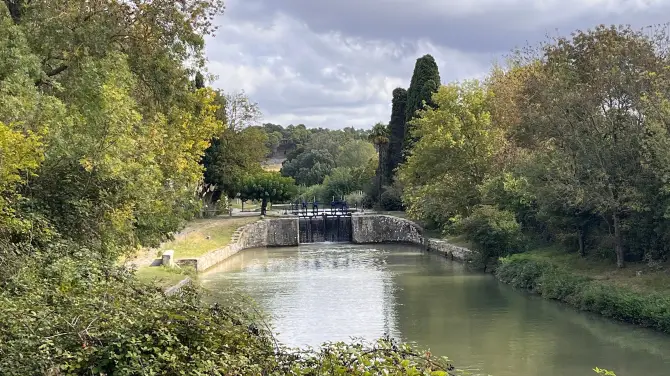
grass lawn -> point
(248, 206)
(651, 279)
(161, 276)
(193, 240)
(272, 167)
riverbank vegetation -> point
(565, 146)
(104, 122)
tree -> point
(396, 130)
(237, 151)
(379, 136)
(590, 112)
(240, 111)
(356, 153)
(267, 187)
(105, 87)
(453, 155)
(309, 167)
(425, 81)
(231, 157)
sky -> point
(335, 63)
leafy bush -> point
(493, 232)
(355, 199)
(78, 316)
(313, 192)
(391, 199)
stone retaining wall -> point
(275, 232)
(177, 288)
(448, 250)
(384, 229)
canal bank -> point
(634, 300)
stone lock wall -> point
(385, 229)
(447, 249)
(275, 232)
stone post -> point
(168, 258)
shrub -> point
(317, 192)
(493, 232)
(355, 199)
(391, 199)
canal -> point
(328, 292)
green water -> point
(327, 292)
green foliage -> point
(84, 316)
(316, 192)
(327, 151)
(396, 130)
(391, 198)
(232, 156)
(356, 199)
(310, 167)
(356, 154)
(554, 282)
(118, 155)
(587, 108)
(267, 187)
(454, 154)
(569, 137)
(493, 232)
(340, 182)
(425, 81)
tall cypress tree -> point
(396, 130)
(425, 81)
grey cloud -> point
(484, 26)
(309, 73)
(336, 63)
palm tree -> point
(379, 136)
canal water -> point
(328, 292)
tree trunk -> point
(264, 205)
(15, 8)
(582, 251)
(618, 246)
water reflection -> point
(321, 293)
(315, 296)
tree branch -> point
(61, 68)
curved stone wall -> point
(269, 232)
(447, 249)
(385, 229)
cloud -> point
(335, 63)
